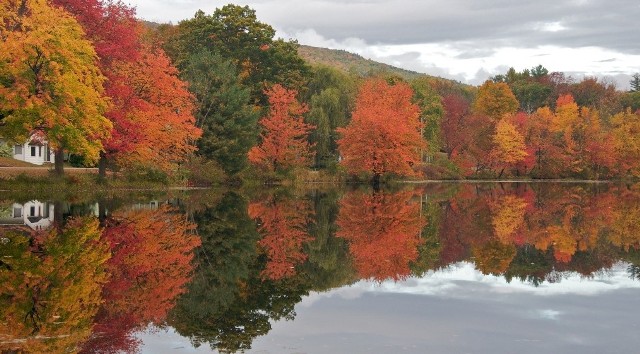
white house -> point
(36, 150)
(35, 214)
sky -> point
(465, 40)
(454, 310)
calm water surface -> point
(439, 268)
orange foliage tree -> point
(151, 263)
(161, 126)
(283, 225)
(383, 231)
(384, 133)
(285, 134)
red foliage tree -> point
(283, 224)
(151, 263)
(285, 134)
(384, 133)
(151, 108)
(158, 127)
(454, 127)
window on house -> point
(17, 212)
(39, 150)
(18, 149)
(33, 151)
(32, 211)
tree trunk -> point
(59, 163)
(58, 215)
(375, 182)
(102, 167)
(102, 211)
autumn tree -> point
(150, 109)
(509, 147)
(284, 140)
(50, 80)
(383, 231)
(455, 130)
(282, 224)
(549, 156)
(596, 94)
(111, 26)
(50, 283)
(384, 133)
(159, 126)
(626, 131)
(495, 100)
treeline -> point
(233, 264)
(218, 95)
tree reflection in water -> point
(242, 263)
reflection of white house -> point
(36, 150)
(37, 215)
(152, 205)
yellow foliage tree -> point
(495, 100)
(509, 147)
(626, 132)
(49, 80)
(508, 216)
(50, 287)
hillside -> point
(351, 62)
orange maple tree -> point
(283, 225)
(285, 134)
(383, 231)
(160, 112)
(150, 266)
(384, 133)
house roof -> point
(38, 138)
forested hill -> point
(347, 61)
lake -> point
(427, 268)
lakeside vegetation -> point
(217, 99)
(220, 267)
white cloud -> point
(460, 40)
(457, 280)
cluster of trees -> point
(87, 75)
(239, 264)
(543, 125)
(323, 240)
(220, 89)
(90, 284)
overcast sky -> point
(467, 40)
(455, 310)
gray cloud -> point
(465, 40)
(608, 24)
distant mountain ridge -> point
(352, 62)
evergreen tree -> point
(224, 113)
(635, 82)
